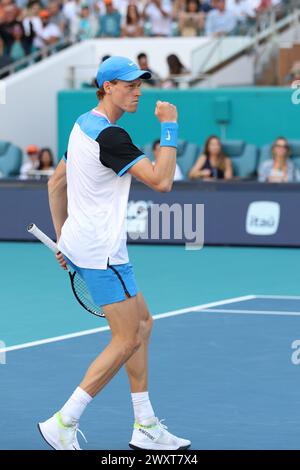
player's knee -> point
(131, 345)
(146, 327)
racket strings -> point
(83, 296)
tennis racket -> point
(79, 286)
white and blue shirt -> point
(98, 157)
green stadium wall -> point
(256, 115)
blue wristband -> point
(169, 134)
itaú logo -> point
(263, 218)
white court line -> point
(283, 297)
(172, 313)
(252, 312)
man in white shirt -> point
(159, 14)
(88, 196)
(49, 33)
(220, 21)
(31, 163)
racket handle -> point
(34, 230)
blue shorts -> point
(107, 286)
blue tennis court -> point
(221, 373)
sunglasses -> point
(281, 146)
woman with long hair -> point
(279, 168)
(212, 163)
(133, 25)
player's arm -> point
(160, 176)
(57, 192)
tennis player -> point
(88, 196)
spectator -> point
(244, 12)
(279, 168)
(242, 9)
(56, 15)
(31, 19)
(220, 21)
(176, 69)
(70, 10)
(22, 44)
(143, 64)
(110, 22)
(50, 33)
(120, 5)
(45, 162)
(159, 14)
(31, 163)
(9, 20)
(84, 25)
(213, 163)
(155, 150)
(191, 21)
(133, 24)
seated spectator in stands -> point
(142, 59)
(191, 21)
(45, 162)
(220, 22)
(120, 5)
(244, 12)
(159, 15)
(279, 168)
(84, 26)
(50, 33)
(70, 9)
(133, 23)
(155, 150)
(110, 22)
(31, 163)
(212, 163)
(9, 19)
(22, 45)
(176, 69)
(31, 19)
(56, 15)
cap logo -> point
(130, 63)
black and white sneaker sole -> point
(141, 448)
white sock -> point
(142, 408)
(75, 406)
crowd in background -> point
(212, 163)
(29, 26)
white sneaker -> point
(156, 437)
(58, 435)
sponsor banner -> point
(236, 213)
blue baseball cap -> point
(120, 68)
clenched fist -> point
(166, 112)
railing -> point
(33, 58)
(221, 49)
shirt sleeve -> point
(117, 150)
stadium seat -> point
(187, 153)
(10, 159)
(243, 157)
(265, 152)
